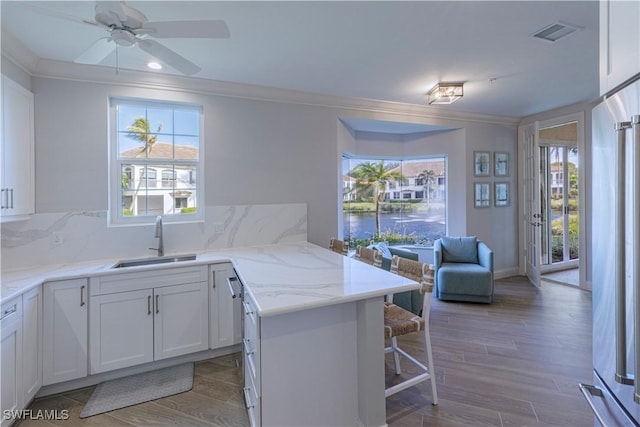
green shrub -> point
(188, 210)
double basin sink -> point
(154, 261)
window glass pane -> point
(187, 147)
(187, 122)
(126, 115)
(156, 136)
(399, 202)
(160, 120)
(130, 148)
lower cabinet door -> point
(64, 354)
(181, 319)
(121, 330)
(10, 366)
(31, 343)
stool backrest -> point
(339, 246)
(370, 256)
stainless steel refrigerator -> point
(615, 394)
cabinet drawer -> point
(11, 310)
(252, 399)
(251, 360)
(155, 278)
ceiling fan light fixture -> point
(445, 93)
(123, 38)
(154, 65)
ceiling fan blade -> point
(168, 56)
(95, 53)
(111, 8)
(58, 14)
(212, 29)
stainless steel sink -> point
(154, 261)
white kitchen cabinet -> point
(65, 318)
(31, 343)
(226, 319)
(181, 320)
(147, 323)
(11, 358)
(17, 175)
(619, 42)
(121, 330)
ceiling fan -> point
(130, 27)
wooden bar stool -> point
(339, 246)
(398, 321)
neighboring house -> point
(415, 183)
(348, 188)
(162, 188)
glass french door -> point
(558, 152)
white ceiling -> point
(391, 51)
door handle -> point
(157, 304)
(620, 302)
(149, 305)
(635, 121)
(82, 302)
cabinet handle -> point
(2, 199)
(157, 304)
(11, 192)
(247, 309)
(9, 311)
(149, 305)
(247, 398)
(232, 290)
(245, 342)
(82, 302)
(213, 278)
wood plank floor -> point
(516, 362)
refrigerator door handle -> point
(622, 376)
(588, 391)
(635, 120)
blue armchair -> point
(464, 269)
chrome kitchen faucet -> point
(158, 235)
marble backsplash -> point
(85, 236)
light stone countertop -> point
(281, 278)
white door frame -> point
(584, 177)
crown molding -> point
(46, 68)
(18, 53)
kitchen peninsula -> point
(313, 329)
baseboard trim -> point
(505, 272)
(91, 380)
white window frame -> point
(115, 215)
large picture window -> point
(401, 202)
(155, 155)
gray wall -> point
(263, 151)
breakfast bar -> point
(319, 357)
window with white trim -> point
(156, 154)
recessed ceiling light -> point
(154, 65)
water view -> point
(423, 227)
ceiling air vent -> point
(556, 31)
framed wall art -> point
(481, 163)
(501, 194)
(501, 163)
(482, 195)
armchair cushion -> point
(460, 249)
(383, 248)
